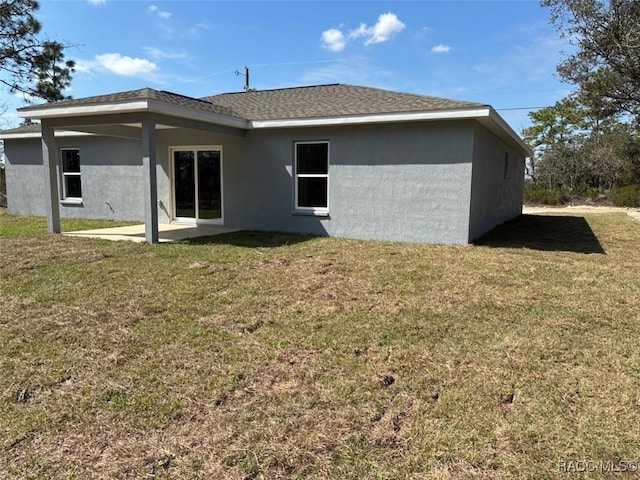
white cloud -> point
(97, 2)
(334, 40)
(387, 27)
(82, 66)
(442, 48)
(158, 54)
(126, 66)
(156, 10)
(361, 31)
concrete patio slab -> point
(167, 232)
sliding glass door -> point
(197, 184)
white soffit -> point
(59, 133)
(150, 106)
(81, 110)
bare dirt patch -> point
(580, 210)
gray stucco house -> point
(335, 160)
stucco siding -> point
(400, 182)
(111, 176)
(25, 179)
(496, 195)
(405, 182)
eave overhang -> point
(485, 115)
(136, 106)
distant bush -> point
(536, 193)
(593, 194)
(627, 196)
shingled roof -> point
(33, 128)
(329, 101)
(334, 100)
(161, 96)
(333, 104)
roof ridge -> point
(210, 98)
(275, 89)
(183, 96)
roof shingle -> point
(335, 100)
(141, 94)
(330, 101)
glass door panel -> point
(209, 185)
(197, 181)
(185, 186)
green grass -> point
(13, 225)
(254, 355)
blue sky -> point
(499, 52)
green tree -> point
(606, 62)
(19, 43)
(53, 73)
(579, 145)
(552, 128)
(29, 64)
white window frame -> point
(319, 211)
(195, 149)
(63, 175)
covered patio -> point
(141, 115)
(172, 232)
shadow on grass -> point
(251, 239)
(544, 232)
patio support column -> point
(150, 181)
(50, 164)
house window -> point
(312, 177)
(506, 165)
(71, 181)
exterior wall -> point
(399, 182)
(25, 177)
(407, 182)
(111, 178)
(494, 197)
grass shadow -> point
(544, 232)
(251, 239)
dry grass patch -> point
(281, 356)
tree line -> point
(587, 145)
(31, 63)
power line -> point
(519, 108)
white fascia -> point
(135, 107)
(59, 133)
(375, 118)
(82, 110)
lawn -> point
(263, 355)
